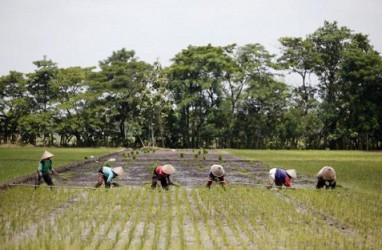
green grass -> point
(15, 162)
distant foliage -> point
(208, 97)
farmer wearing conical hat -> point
(106, 175)
(162, 174)
(326, 177)
(281, 177)
(45, 165)
(216, 174)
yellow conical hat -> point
(292, 173)
(217, 170)
(118, 171)
(46, 155)
(168, 169)
(328, 173)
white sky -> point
(84, 32)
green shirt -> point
(44, 166)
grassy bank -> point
(16, 162)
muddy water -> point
(191, 169)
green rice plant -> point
(200, 167)
(180, 219)
(242, 217)
(159, 215)
(138, 212)
(148, 218)
(205, 208)
(192, 212)
(169, 221)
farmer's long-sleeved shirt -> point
(109, 174)
(44, 166)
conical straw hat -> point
(217, 170)
(118, 171)
(328, 173)
(168, 169)
(46, 155)
(292, 173)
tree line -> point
(209, 96)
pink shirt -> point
(159, 170)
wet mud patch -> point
(192, 168)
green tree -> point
(196, 78)
(13, 105)
(264, 99)
(122, 80)
(361, 92)
(76, 109)
(42, 91)
(329, 42)
(298, 56)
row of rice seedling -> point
(351, 211)
(23, 209)
(275, 221)
(141, 218)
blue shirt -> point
(108, 172)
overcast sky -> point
(84, 32)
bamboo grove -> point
(209, 96)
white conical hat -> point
(292, 173)
(328, 173)
(118, 171)
(46, 155)
(217, 170)
(168, 169)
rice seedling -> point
(242, 217)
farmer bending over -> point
(216, 174)
(43, 168)
(326, 177)
(107, 174)
(281, 177)
(162, 174)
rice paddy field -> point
(244, 216)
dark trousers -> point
(46, 178)
(328, 184)
(164, 181)
(212, 178)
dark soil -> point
(192, 168)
